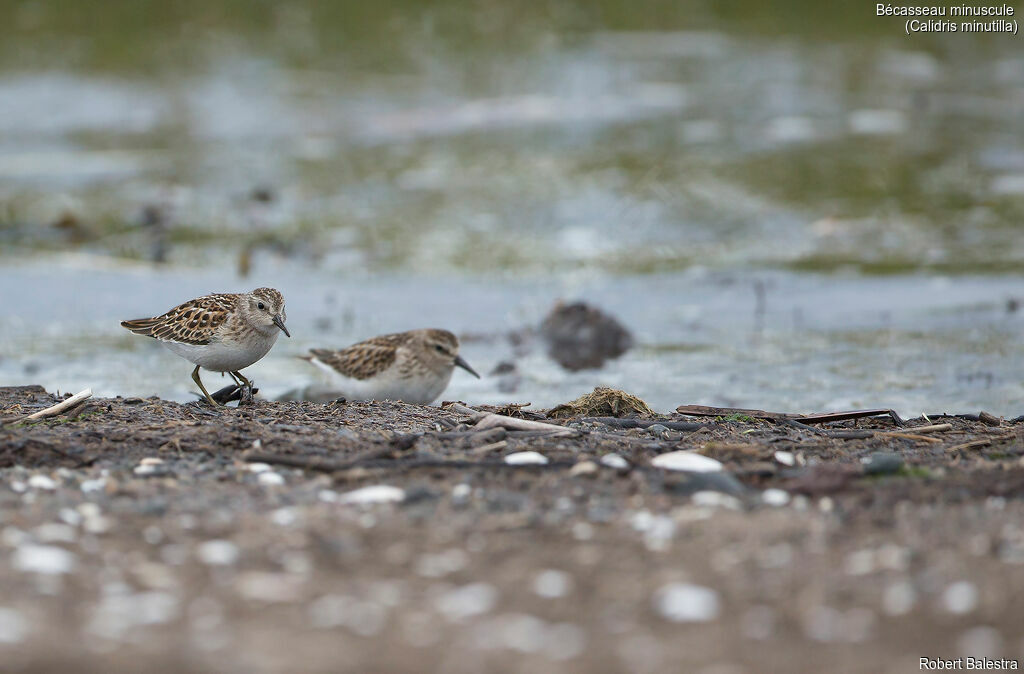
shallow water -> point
(465, 166)
(915, 343)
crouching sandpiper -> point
(223, 332)
(413, 366)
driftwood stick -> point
(617, 422)
(973, 444)
(934, 428)
(820, 418)
(467, 411)
(909, 436)
(513, 424)
(54, 410)
(983, 442)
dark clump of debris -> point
(581, 337)
(602, 402)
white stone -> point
(270, 479)
(785, 458)
(45, 559)
(268, 587)
(13, 626)
(982, 641)
(899, 598)
(552, 584)
(684, 602)
(466, 601)
(526, 458)
(53, 532)
(687, 461)
(146, 469)
(615, 461)
(119, 612)
(284, 517)
(584, 469)
(775, 497)
(98, 484)
(461, 491)
(716, 499)
(960, 597)
(437, 565)
(327, 496)
(377, 493)
(151, 461)
(860, 562)
(42, 482)
(258, 467)
(217, 553)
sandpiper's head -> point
(264, 309)
(439, 351)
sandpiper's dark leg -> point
(195, 377)
(241, 379)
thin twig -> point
(54, 410)
(934, 428)
(909, 436)
(983, 442)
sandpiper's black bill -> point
(465, 366)
(279, 322)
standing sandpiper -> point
(413, 366)
(223, 332)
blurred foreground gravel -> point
(141, 535)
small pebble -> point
(151, 461)
(687, 461)
(461, 492)
(270, 479)
(657, 428)
(882, 463)
(13, 626)
(257, 467)
(716, 499)
(467, 601)
(552, 584)
(52, 532)
(775, 497)
(98, 484)
(42, 482)
(898, 598)
(44, 559)
(378, 493)
(526, 458)
(684, 602)
(960, 597)
(584, 469)
(785, 458)
(217, 553)
(615, 461)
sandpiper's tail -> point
(141, 326)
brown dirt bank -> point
(138, 535)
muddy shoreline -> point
(147, 531)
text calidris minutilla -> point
(412, 366)
(223, 332)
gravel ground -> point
(150, 535)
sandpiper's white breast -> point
(226, 356)
(421, 388)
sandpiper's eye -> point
(438, 348)
(261, 305)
